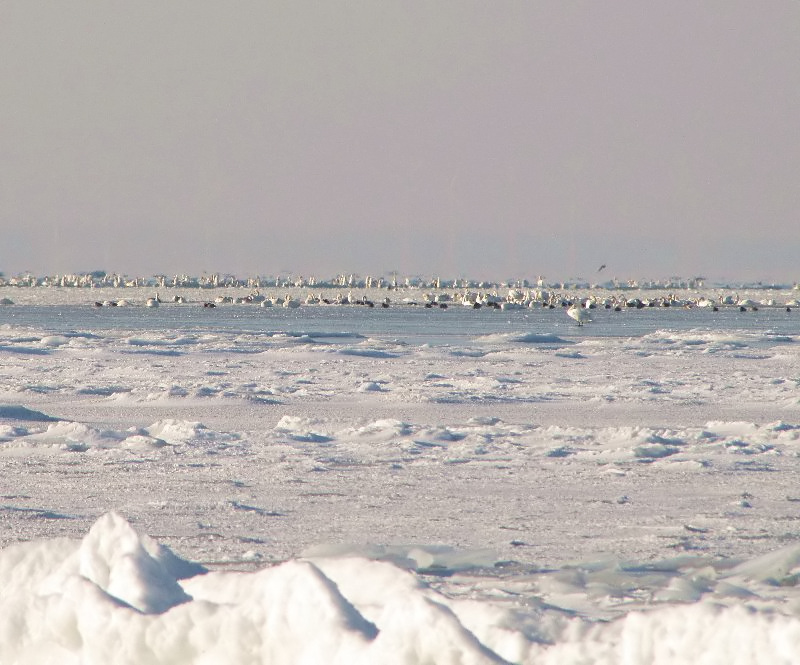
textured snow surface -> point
(195, 492)
(116, 596)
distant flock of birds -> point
(576, 308)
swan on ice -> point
(579, 313)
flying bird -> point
(601, 267)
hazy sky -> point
(480, 139)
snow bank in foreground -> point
(119, 597)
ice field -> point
(410, 484)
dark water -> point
(414, 325)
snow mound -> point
(54, 340)
(176, 432)
(117, 596)
(72, 436)
(133, 569)
(370, 387)
(301, 429)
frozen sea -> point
(346, 484)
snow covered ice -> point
(344, 485)
(115, 596)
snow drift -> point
(116, 596)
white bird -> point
(579, 313)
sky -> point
(491, 140)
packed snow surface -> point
(406, 485)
